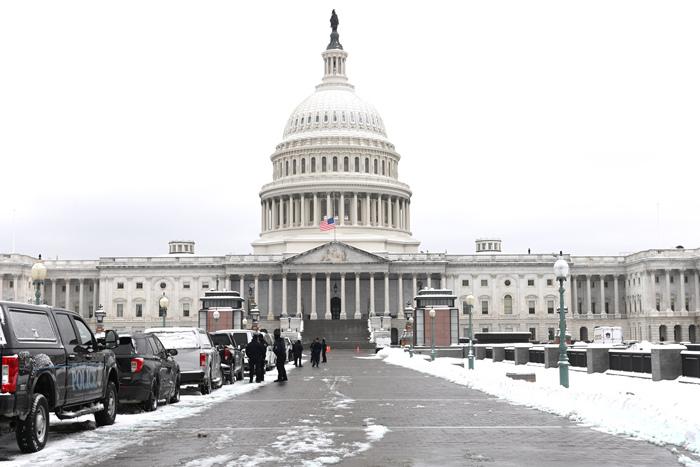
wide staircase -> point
(339, 334)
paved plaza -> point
(330, 413)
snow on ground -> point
(661, 412)
(76, 441)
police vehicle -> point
(51, 361)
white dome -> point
(334, 111)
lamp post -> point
(470, 305)
(163, 304)
(100, 314)
(255, 316)
(432, 334)
(216, 315)
(561, 270)
(38, 276)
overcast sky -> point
(553, 125)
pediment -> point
(335, 253)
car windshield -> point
(178, 339)
(221, 339)
(240, 338)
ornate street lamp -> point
(163, 304)
(470, 305)
(432, 333)
(38, 276)
(100, 315)
(408, 313)
(561, 271)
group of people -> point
(257, 348)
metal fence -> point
(536, 356)
(691, 364)
(577, 358)
(638, 362)
(510, 354)
(489, 352)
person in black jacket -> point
(252, 351)
(260, 364)
(280, 350)
(323, 350)
(315, 352)
(297, 348)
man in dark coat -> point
(260, 364)
(323, 349)
(280, 350)
(297, 348)
(315, 352)
(252, 351)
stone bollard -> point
(499, 353)
(666, 361)
(480, 351)
(597, 358)
(551, 356)
(522, 354)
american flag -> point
(328, 223)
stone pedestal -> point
(597, 359)
(521, 354)
(551, 356)
(292, 327)
(666, 361)
(480, 351)
(499, 353)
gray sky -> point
(554, 125)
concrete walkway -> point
(337, 413)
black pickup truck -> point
(51, 361)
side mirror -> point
(172, 352)
(111, 339)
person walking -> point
(251, 351)
(323, 350)
(315, 352)
(260, 364)
(297, 349)
(280, 350)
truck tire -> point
(205, 387)
(33, 432)
(151, 404)
(108, 414)
(175, 398)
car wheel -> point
(33, 432)
(151, 404)
(175, 398)
(205, 387)
(108, 414)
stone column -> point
(408, 215)
(602, 294)
(298, 313)
(343, 313)
(81, 299)
(284, 295)
(380, 210)
(428, 281)
(329, 207)
(241, 286)
(354, 209)
(667, 298)
(302, 210)
(280, 213)
(315, 211)
(53, 292)
(415, 287)
(328, 297)
(442, 281)
(697, 289)
(256, 291)
(314, 315)
(67, 282)
(574, 295)
(270, 303)
(616, 299)
(387, 307)
(396, 214)
(652, 289)
(342, 209)
(262, 216)
(681, 279)
(358, 313)
(399, 314)
(588, 295)
(371, 293)
(367, 210)
(390, 212)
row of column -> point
(587, 299)
(364, 209)
(399, 312)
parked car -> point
(231, 356)
(147, 371)
(199, 360)
(51, 361)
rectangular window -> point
(658, 305)
(550, 334)
(185, 285)
(120, 285)
(533, 334)
(34, 326)
(185, 310)
(550, 307)
(484, 283)
(530, 282)
(607, 307)
(63, 288)
(656, 279)
(593, 307)
(120, 310)
(205, 285)
(91, 289)
(671, 277)
(77, 288)
(484, 329)
(685, 279)
(531, 307)
(605, 284)
(484, 307)
(139, 285)
(465, 283)
(550, 282)
(139, 310)
(592, 285)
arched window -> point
(352, 117)
(308, 119)
(383, 168)
(346, 165)
(335, 164)
(662, 333)
(294, 167)
(583, 333)
(692, 336)
(335, 117)
(375, 167)
(323, 164)
(303, 166)
(677, 333)
(342, 116)
(357, 164)
(325, 118)
(317, 118)
(366, 164)
(313, 164)
(508, 305)
(286, 167)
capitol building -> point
(336, 162)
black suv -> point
(51, 361)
